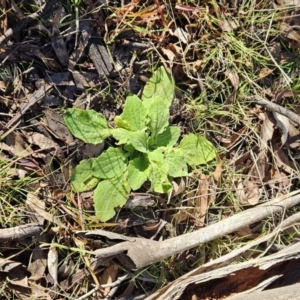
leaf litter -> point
(235, 68)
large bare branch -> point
(142, 252)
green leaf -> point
(131, 151)
(156, 155)
(160, 84)
(168, 138)
(119, 122)
(177, 165)
(138, 140)
(134, 113)
(138, 172)
(197, 150)
(109, 194)
(120, 134)
(87, 125)
(159, 178)
(111, 163)
(82, 179)
(159, 115)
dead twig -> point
(23, 23)
(142, 252)
(37, 95)
(19, 232)
(277, 108)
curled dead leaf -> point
(52, 263)
(247, 192)
(233, 77)
(108, 277)
(169, 54)
(227, 25)
(266, 132)
(182, 35)
(289, 32)
(283, 123)
(178, 188)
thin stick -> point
(89, 293)
(277, 108)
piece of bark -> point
(20, 232)
(100, 58)
(60, 49)
(80, 81)
(245, 277)
(283, 293)
(55, 122)
(60, 79)
(135, 248)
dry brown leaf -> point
(197, 65)
(282, 160)
(235, 137)
(180, 216)
(17, 142)
(170, 54)
(279, 180)
(15, 273)
(285, 3)
(228, 25)
(108, 276)
(265, 72)
(283, 123)
(252, 192)
(294, 137)
(36, 205)
(42, 141)
(52, 263)
(57, 125)
(66, 268)
(39, 292)
(38, 259)
(2, 85)
(266, 133)
(175, 49)
(233, 77)
(31, 200)
(247, 192)
(289, 32)
(218, 171)
(178, 188)
(182, 35)
(201, 201)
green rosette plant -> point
(147, 147)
